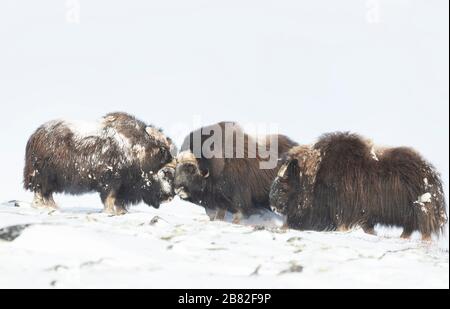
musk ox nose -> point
(182, 193)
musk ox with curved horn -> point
(119, 156)
(344, 181)
(224, 170)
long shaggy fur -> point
(344, 181)
(237, 185)
(119, 157)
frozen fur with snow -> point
(119, 156)
(344, 181)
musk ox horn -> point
(282, 171)
(206, 175)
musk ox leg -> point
(237, 217)
(112, 206)
(220, 215)
(369, 229)
(211, 213)
(44, 201)
(426, 237)
(342, 228)
(406, 234)
(38, 200)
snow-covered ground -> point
(178, 247)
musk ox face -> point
(158, 169)
(158, 187)
(284, 187)
(156, 152)
(166, 177)
(190, 178)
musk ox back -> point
(119, 156)
(343, 181)
(232, 177)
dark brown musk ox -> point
(344, 181)
(233, 177)
(119, 156)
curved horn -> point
(282, 171)
(206, 175)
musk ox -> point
(344, 181)
(232, 177)
(119, 156)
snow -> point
(425, 198)
(178, 246)
(374, 154)
(85, 129)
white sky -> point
(379, 68)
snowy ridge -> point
(178, 247)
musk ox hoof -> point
(237, 217)
(40, 202)
(406, 235)
(211, 213)
(115, 211)
(369, 229)
(285, 227)
(220, 215)
(342, 229)
(426, 238)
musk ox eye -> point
(205, 173)
(167, 174)
(165, 155)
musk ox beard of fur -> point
(120, 157)
(344, 181)
(221, 183)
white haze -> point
(379, 68)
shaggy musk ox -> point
(231, 177)
(119, 156)
(343, 181)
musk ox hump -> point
(158, 136)
(345, 145)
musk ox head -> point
(284, 187)
(296, 179)
(165, 178)
(190, 176)
(147, 150)
(158, 185)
